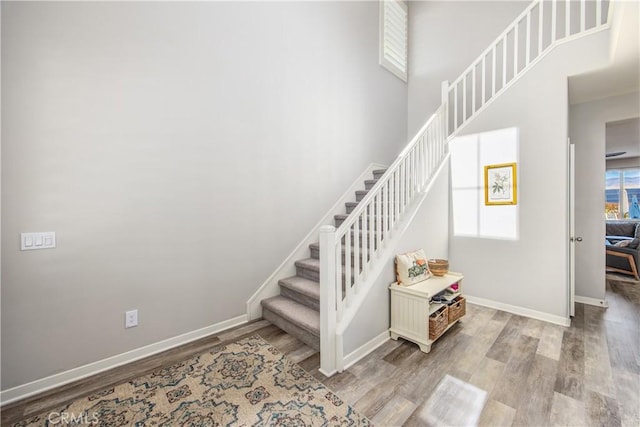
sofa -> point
(622, 241)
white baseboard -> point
(355, 356)
(592, 301)
(44, 384)
(521, 311)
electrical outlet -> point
(131, 319)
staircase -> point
(297, 309)
(319, 303)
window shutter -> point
(393, 37)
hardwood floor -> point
(534, 373)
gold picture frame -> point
(500, 184)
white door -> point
(572, 231)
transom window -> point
(394, 22)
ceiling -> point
(623, 75)
(623, 135)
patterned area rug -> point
(247, 383)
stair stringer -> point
(270, 287)
(360, 329)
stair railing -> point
(347, 253)
(532, 34)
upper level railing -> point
(540, 26)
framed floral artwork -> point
(500, 184)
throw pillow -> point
(623, 243)
(412, 268)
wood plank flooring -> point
(534, 373)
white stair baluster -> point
(540, 26)
(554, 17)
(347, 264)
(356, 253)
(494, 71)
(527, 37)
(516, 43)
(567, 18)
(484, 78)
(363, 241)
(504, 62)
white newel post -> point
(327, 300)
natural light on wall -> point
(469, 156)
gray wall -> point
(532, 272)
(445, 37)
(587, 131)
(179, 151)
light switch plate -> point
(43, 240)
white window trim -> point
(387, 61)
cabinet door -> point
(410, 315)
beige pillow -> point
(412, 268)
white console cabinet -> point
(411, 307)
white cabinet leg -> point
(425, 348)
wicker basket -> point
(457, 309)
(438, 322)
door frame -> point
(572, 226)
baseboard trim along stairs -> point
(308, 246)
(296, 309)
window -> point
(393, 37)
(622, 193)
